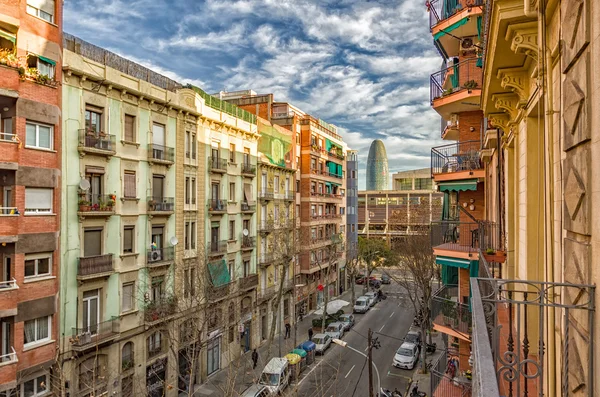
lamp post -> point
(346, 345)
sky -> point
(362, 65)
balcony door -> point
(6, 345)
(94, 176)
(263, 182)
(214, 236)
(157, 239)
(6, 275)
(158, 182)
(92, 242)
(91, 311)
(7, 200)
(246, 156)
(215, 189)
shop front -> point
(155, 378)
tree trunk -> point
(276, 313)
(326, 297)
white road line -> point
(392, 314)
(381, 327)
(366, 348)
(349, 371)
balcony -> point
(98, 266)
(9, 358)
(157, 257)
(217, 248)
(248, 243)
(98, 143)
(217, 206)
(265, 194)
(159, 310)
(217, 165)
(289, 195)
(248, 208)
(249, 170)
(325, 217)
(265, 226)
(219, 293)
(318, 150)
(461, 160)
(326, 173)
(249, 282)
(448, 312)
(161, 154)
(95, 335)
(161, 206)
(456, 89)
(454, 18)
(8, 285)
(458, 237)
(96, 205)
(265, 259)
(326, 196)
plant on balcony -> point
(8, 57)
(449, 311)
(469, 85)
(84, 205)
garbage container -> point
(302, 353)
(309, 347)
(294, 361)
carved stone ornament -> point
(516, 80)
(523, 39)
(577, 200)
(577, 104)
(575, 30)
(499, 120)
(507, 103)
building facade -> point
(30, 192)
(351, 211)
(378, 174)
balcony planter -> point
(491, 255)
(84, 205)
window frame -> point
(36, 12)
(132, 296)
(38, 211)
(37, 341)
(37, 135)
(126, 193)
(132, 229)
(133, 124)
(34, 378)
(36, 257)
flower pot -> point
(495, 257)
(84, 208)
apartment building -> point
(351, 212)
(30, 191)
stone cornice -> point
(516, 80)
(508, 103)
(523, 39)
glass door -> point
(91, 311)
(6, 275)
(213, 355)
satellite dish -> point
(174, 241)
(245, 232)
(84, 184)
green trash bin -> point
(302, 353)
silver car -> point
(335, 330)
(372, 298)
(362, 305)
(347, 320)
(406, 356)
(323, 341)
(256, 391)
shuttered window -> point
(129, 132)
(38, 200)
(92, 242)
(129, 182)
(128, 233)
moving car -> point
(347, 320)
(385, 279)
(362, 305)
(406, 356)
(372, 298)
(256, 391)
(276, 375)
(322, 341)
(335, 330)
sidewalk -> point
(239, 374)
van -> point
(362, 305)
(276, 375)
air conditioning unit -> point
(155, 256)
(467, 44)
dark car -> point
(385, 279)
(361, 280)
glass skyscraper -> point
(377, 167)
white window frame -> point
(36, 258)
(42, 340)
(132, 297)
(36, 12)
(34, 379)
(40, 210)
(37, 135)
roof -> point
(319, 336)
(275, 364)
(407, 345)
(252, 390)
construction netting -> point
(224, 106)
(275, 144)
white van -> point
(362, 305)
(276, 375)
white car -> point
(406, 356)
(372, 298)
(335, 330)
(323, 341)
(362, 305)
(347, 320)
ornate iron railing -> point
(248, 169)
(443, 381)
(161, 153)
(464, 75)
(161, 204)
(440, 10)
(96, 333)
(447, 310)
(159, 255)
(100, 141)
(92, 265)
(456, 236)
(460, 156)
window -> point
(276, 184)
(247, 268)
(353, 228)
(154, 344)
(37, 330)
(342, 228)
(39, 136)
(127, 297)
(43, 9)
(342, 210)
(189, 282)
(193, 190)
(129, 185)
(353, 174)
(232, 191)
(193, 235)
(187, 190)
(187, 144)
(92, 372)
(246, 155)
(231, 230)
(342, 192)
(38, 265)
(423, 184)
(186, 237)
(232, 153)
(405, 183)
(37, 386)
(157, 289)
(92, 242)
(129, 128)
(231, 334)
(127, 356)
(44, 66)
(313, 210)
(313, 164)
(128, 234)
(38, 200)
(231, 269)
(93, 119)
(193, 143)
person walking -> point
(310, 334)
(254, 358)
(288, 328)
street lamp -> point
(345, 344)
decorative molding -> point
(499, 120)
(523, 39)
(575, 30)
(508, 103)
(516, 80)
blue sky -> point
(363, 65)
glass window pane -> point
(40, 384)
(44, 137)
(30, 132)
(43, 266)
(28, 388)
(42, 328)
(30, 268)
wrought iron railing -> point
(266, 226)
(246, 207)
(265, 259)
(90, 139)
(464, 75)
(158, 255)
(217, 247)
(248, 242)
(98, 203)
(460, 156)
(265, 194)
(443, 381)
(95, 333)
(161, 204)
(248, 169)
(161, 153)
(250, 281)
(491, 237)
(216, 164)
(447, 310)
(217, 205)
(97, 264)
(159, 309)
(440, 10)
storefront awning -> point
(8, 36)
(450, 28)
(458, 186)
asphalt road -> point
(342, 372)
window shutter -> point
(129, 182)
(38, 199)
(129, 128)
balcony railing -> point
(265, 259)
(265, 194)
(440, 10)
(248, 169)
(10, 357)
(289, 195)
(160, 309)
(248, 242)
(491, 237)
(217, 247)
(7, 137)
(96, 142)
(97, 204)
(464, 75)
(157, 256)
(266, 226)
(326, 173)
(456, 157)
(95, 334)
(455, 236)
(9, 284)
(95, 266)
(248, 282)
(216, 164)
(217, 205)
(161, 204)
(161, 153)
(446, 310)
(443, 381)
(246, 207)
(9, 211)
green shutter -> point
(50, 61)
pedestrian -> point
(288, 327)
(254, 358)
(310, 334)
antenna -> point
(174, 241)
(84, 184)
(245, 232)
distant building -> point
(419, 179)
(377, 167)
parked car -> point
(335, 330)
(385, 279)
(347, 320)
(276, 375)
(362, 305)
(322, 341)
(413, 337)
(372, 298)
(256, 391)
(361, 280)
(406, 356)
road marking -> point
(349, 371)
(392, 314)
(408, 378)
(381, 327)
(367, 348)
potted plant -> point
(470, 84)
(84, 205)
(491, 255)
